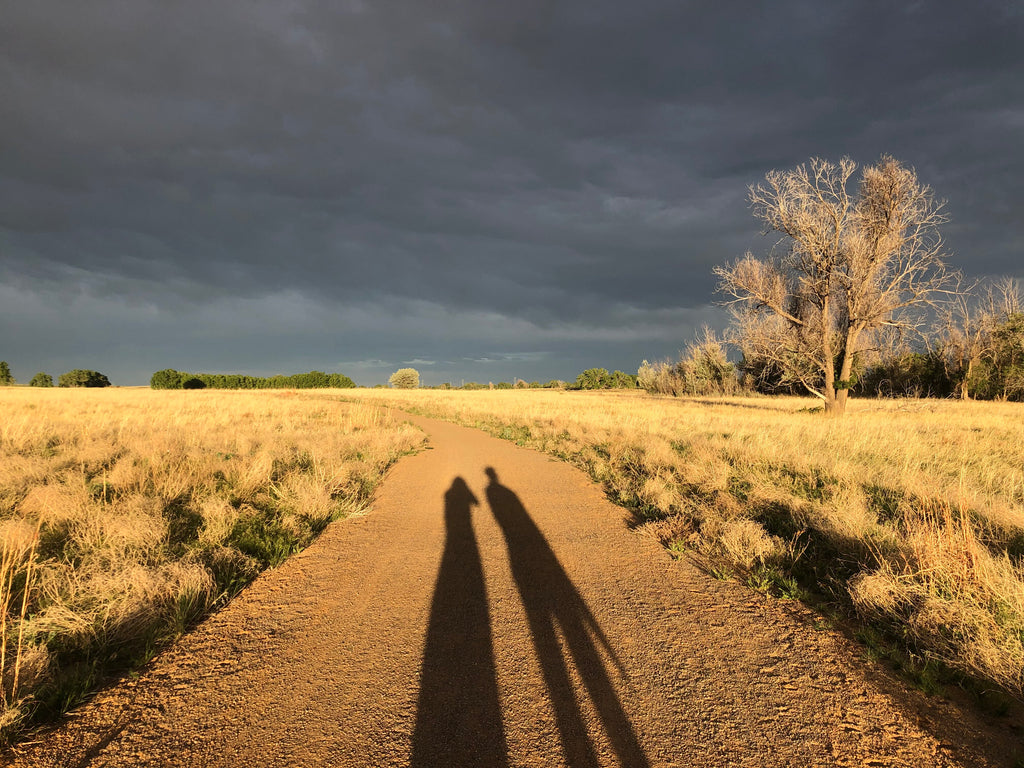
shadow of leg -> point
(588, 662)
(458, 717)
(552, 602)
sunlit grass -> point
(910, 512)
(127, 514)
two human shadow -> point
(458, 718)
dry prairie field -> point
(908, 515)
(126, 514)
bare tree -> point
(854, 264)
(967, 326)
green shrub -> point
(340, 381)
(41, 380)
(6, 379)
(168, 378)
(592, 378)
(621, 380)
(83, 378)
(599, 378)
(1002, 374)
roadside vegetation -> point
(126, 515)
(907, 516)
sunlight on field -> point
(130, 513)
(910, 511)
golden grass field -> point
(908, 512)
(125, 514)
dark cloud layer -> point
(492, 190)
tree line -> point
(76, 378)
(592, 378)
(169, 378)
(982, 360)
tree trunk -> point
(837, 406)
(841, 397)
(965, 393)
(832, 406)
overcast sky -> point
(482, 190)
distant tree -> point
(592, 378)
(907, 374)
(340, 381)
(41, 380)
(969, 329)
(706, 367)
(621, 380)
(83, 378)
(702, 369)
(168, 378)
(192, 382)
(647, 376)
(855, 263)
(6, 379)
(599, 378)
(1000, 376)
(405, 378)
(311, 380)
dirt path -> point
(504, 619)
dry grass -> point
(911, 512)
(126, 514)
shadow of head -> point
(491, 474)
(459, 494)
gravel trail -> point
(495, 610)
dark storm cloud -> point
(272, 185)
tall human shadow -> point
(553, 605)
(458, 716)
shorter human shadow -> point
(555, 607)
(458, 715)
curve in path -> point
(494, 610)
